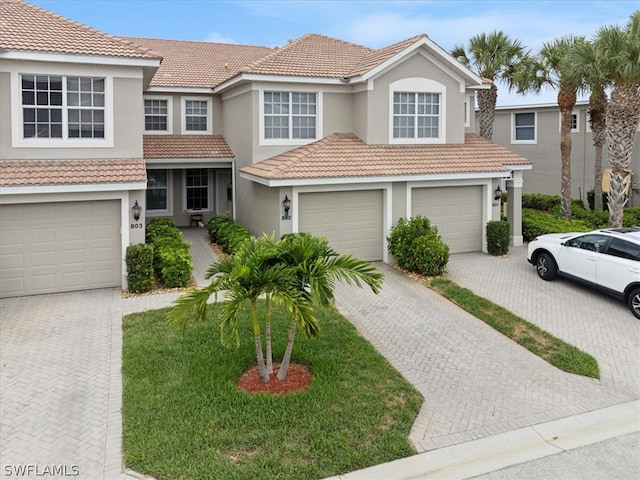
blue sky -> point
(371, 23)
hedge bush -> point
(171, 259)
(417, 246)
(139, 260)
(215, 224)
(159, 227)
(498, 237)
(231, 236)
(539, 201)
(536, 223)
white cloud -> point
(219, 38)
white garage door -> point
(456, 211)
(59, 247)
(352, 221)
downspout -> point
(233, 188)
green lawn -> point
(184, 418)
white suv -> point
(607, 259)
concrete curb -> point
(488, 454)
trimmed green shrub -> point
(631, 217)
(498, 237)
(536, 223)
(139, 260)
(159, 227)
(231, 236)
(417, 247)
(539, 201)
(216, 223)
(176, 265)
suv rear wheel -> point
(546, 266)
(634, 302)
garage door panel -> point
(456, 211)
(351, 220)
(62, 247)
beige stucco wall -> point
(338, 113)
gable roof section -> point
(27, 28)
(344, 155)
(186, 146)
(198, 64)
(25, 173)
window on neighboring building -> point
(156, 114)
(574, 122)
(416, 115)
(196, 113)
(158, 190)
(63, 107)
(524, 127)
(290, 115)
(197, 189)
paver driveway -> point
(475, 381)
(61, 387)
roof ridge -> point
(199, 42)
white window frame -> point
(17, 118)
(290, 141)
(210, 180)
(169, 129)
(169, 210)
(419, 85)
(535, 129)
(467, 112)
(575, 113)
(183, 116)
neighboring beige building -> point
(533, 131)
(353, 138)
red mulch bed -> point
(298, 379)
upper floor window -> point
(416, 115)
(290, 115)
(63, 107)
(575, 122)
(524, 128)
(156, 115)
(196, 115)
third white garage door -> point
(59, 247)
(456, 211)
(352, 221)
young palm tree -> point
(493, 56)
(244, 277)
(618, 51)
(552, 68)
(316, 266)
(585, 67)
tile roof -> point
(186, 146)
(25, 27)
(198, 64)
(345, 155)
(23, 173)
(378, 57)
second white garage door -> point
(352, 221)
(59, 247)
(456, 211)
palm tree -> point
(493, 56)
(552, 69)
(585, 67)
(618, 51)
(317, 266)
(244, 277)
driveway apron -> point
(475, 381)
(61, 385)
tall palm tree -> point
(551, 68)
(618, 52)
(316, 266)
(494, 57)
(585, 67)
(244, 277)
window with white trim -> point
(290, 115)
(524, 127)
(416, 115)
(64, 107)
(158, 190)
(156, 115)
(575, 122)
(196, 115)
(197, 189)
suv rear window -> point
(624, 249)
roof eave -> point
(243, 78)
(81, 59)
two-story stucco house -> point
(320, 135)
(533, 131)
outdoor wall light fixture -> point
(137, 210)
(286, 203)
(498, 193)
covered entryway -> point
(456, 211)
(351, 220)
(59, 247)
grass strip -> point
(184, 418)
(551, 349)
